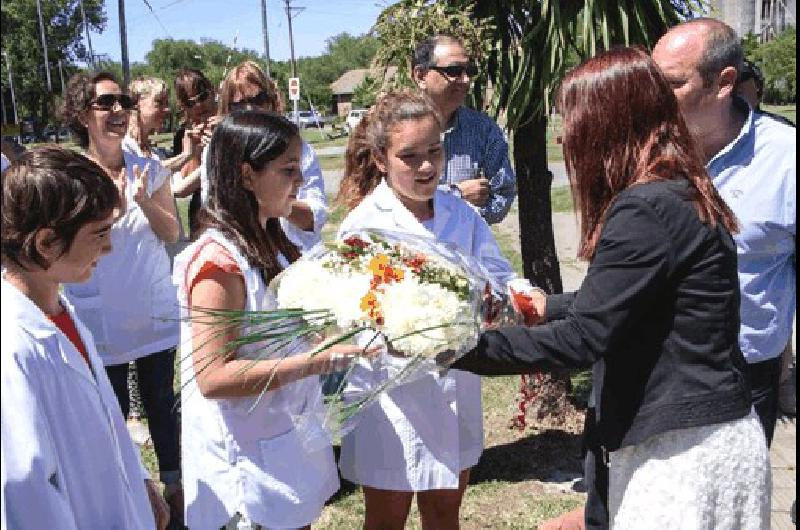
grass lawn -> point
(331, 163)
(787, 111)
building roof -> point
(349, 80)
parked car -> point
(307, 118)
(354, 118)
(52, 135)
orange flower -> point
(391, 274)
(378, 264)
(369, 302)
(370, 305)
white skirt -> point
(418, 436)
(714, 477)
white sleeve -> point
(313, 189)
(312, 192)
(33, 487)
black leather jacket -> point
(657, 318)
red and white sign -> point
(294, 89)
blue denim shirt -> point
(473, 142)
(756, 175)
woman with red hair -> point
(657, 316)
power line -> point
(156, 17)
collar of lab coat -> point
(386, 201)
(32, 319)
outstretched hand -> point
(122, 186)
(340, 356)
(140, 184)
(529, 303)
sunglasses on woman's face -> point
(455, 71)
(196, 99)
(259, 100)
(108, 101)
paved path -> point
(783, 456)
(331, 151)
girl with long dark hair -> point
(244, 458)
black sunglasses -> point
(457, 70)
(196, 99)
(107, 102)
(259, 100)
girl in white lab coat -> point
(243, 454)
(68, 461)
(425, 436)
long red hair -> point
(622, 126)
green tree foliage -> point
(402, 26)
(65, 41)
(778, 61)
(366, 93)
(213, 58)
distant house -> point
(764, 18)
(344, 87)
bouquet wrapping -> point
(424, 301)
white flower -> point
(310, 286)
(410, 306)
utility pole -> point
(88, 38)
(266, 34)
(44, 46)
(291, 48)
(61, 75)
(291, 36)
(123, 41)
(11, 86)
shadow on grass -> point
(540, 456)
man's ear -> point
(418, 75)
(247, 176)
(727, 82)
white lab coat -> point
(67, 459)
(312, 192)
(129, 304)
(246, 454)
(421, 435)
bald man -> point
(752, 160)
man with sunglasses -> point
(477, 167)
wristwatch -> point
(456, 191)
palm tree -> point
(530, 47)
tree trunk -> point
(539, 258)
(543, 395)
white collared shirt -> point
(67, 459)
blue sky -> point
(221, 19)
